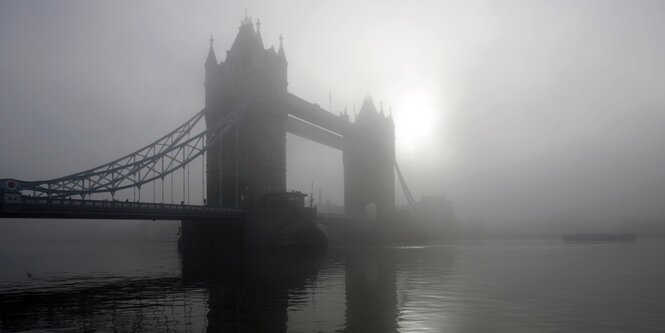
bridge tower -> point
(251, 160)
(369, 158)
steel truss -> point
(150, 163)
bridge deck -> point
(31, 207)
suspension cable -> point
(405, 188)
(125, 172)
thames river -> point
(458, 286)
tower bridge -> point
(248, 112)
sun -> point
(416, 118)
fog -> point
(534, 112)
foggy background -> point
(548, 115)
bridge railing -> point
(10, 203)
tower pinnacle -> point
(280, 52)
(246, 20)
(212, 59)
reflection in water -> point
(520, 286)
(250, 291)
(343, 290)
(371, 299)
(122, 305)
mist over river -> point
(458, 286)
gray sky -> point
(512, 109)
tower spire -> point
(280, 52)
(246, 20)
(258, 33)
(212, 59)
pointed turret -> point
(280, 53)
(367, 113)
(259, 39)
(212, 59)
(368, 107)
(211, 71)
(283, 64)
(249, 67)
(246, 38)
(372, 119)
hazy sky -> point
(512, 109)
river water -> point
(461, 286)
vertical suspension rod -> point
(236, 167)
(203, 178)
(162, 179)
(188, 169)
(184, 166)
(219, 171)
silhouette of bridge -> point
(248, 111)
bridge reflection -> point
(250, 292)
(255, 291)
(96, 305)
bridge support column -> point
(250, 160)
(369, 179)
(265, 228)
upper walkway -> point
(18, 206)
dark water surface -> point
(474, 286)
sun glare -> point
(415, 118)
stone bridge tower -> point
(251, 160)
(369, 158)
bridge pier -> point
(267, 227)
(210, 235)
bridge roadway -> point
(39, 207)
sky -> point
(514, 110)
